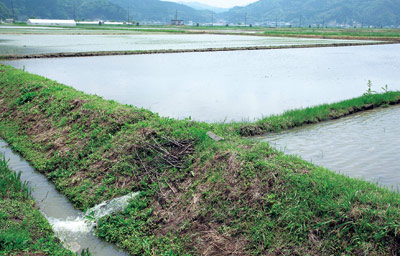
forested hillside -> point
(156, 10)
(66, 9)
(200, 6)
(306, 12)
(138, 10)
(4, 12)
(297, 12)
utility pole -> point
(176, 14)
(300, 21)
(245, 19)
(74, 8)
(212, 19)
(276, 21)
(129, 7)
(12, 8)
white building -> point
(42, 22)
(113, 23)
(89, 22)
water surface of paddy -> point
(218, 86)
(48, 43)
(364, 146)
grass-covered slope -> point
(23, 229)
(316, 114)
(199, 196)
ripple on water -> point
(364, 145)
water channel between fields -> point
(364, 145)
(68, 223)
(218, 86)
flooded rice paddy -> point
(226, 86)
(223, 86)
(364, 145)
(68, 223)
(49, 43)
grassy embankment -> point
(23, 229)
(311, 115)
(340, 33)
(199, 196)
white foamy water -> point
(71, 226)
(110, 206)
(72, 230)
(87, 222)
(76, 225)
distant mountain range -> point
(66, 9)
(308, 12)
(200, 6)
(138, 10)
(295, 12)
(156, 10)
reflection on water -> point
(364, 146)
(218, 86)
(33, 44)
(67, 222)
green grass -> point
(198, 196)
(312, 115)
(23, 229)
(363, 33)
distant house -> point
(43, 22)
(177, 22)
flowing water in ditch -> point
(365, 145)
(70, 225)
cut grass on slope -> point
(199, 196)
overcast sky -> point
(220, 3)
